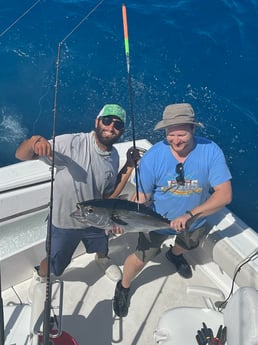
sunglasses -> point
(180, 179)
(107, 120)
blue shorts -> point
(65, 241)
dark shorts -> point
(65, 241)
(149, 243)
(191, 240)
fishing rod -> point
(2, 335)
(1, 315)
(47, 304)
(127, 54)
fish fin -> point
(165, 215)
(148, 203)
(118, 220)
(192, 220)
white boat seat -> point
(240, 316)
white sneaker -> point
(36, 279)
(112, 271)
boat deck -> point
(87, 304)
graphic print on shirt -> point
(189, 186)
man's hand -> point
(117, 230)
(42, 147)
(180, 223)
(133, 155)
(34, 147)
(183, 222)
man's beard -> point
(108, 142)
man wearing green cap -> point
(86, 168)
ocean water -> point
(197, 51)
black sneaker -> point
(181, 264)
(120, 302)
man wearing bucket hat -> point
(86, 168)
(187, 178)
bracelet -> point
(189, 212)
(35, 142)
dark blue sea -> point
(197, 51)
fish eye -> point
(90, 209)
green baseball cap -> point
(113, 110)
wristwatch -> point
(189, 212)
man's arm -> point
(122, 178)
(221, 197)
(133, 156)
(33, 148)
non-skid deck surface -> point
(88, 294)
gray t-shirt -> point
(83, 172)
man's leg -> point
(132, 266)
(96, 241)
(184, 242)
(175, 256)
(63, 245)
(147, 248)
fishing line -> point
(19, 18)
(47, 305)
(237, 270)
(127, 54)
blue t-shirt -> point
(205, 167)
